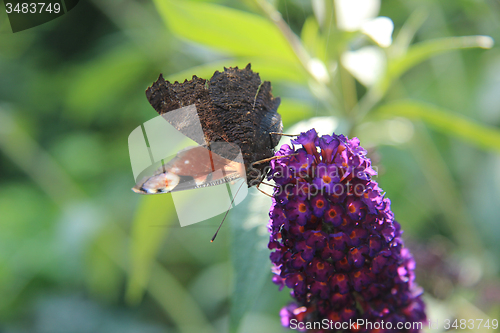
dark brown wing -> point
(248, 111)
(167, 98)
(235, 106)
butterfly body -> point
(238, 117)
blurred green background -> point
(80, 252)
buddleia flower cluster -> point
(336, 244)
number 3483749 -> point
(471, 324)
(33, 8)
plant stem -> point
(301, 53)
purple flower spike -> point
(335, 242)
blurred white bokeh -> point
(367, 63)
(352, 14)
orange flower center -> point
(351, 208)
(302, 208)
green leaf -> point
(268, 70)
(481, 135)
(293, 111)
(103, 275)
(249, 253)
(225, 29)
(151, 222)
(179, 305)
(425, 50)
(177, 302)
(98, 84)
(408, 31)
(416, 54)
(312, 39)
(445, 194)
(274, 71)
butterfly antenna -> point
(282, 134)
(230, 205)
(257, 94)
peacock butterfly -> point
(239, 126)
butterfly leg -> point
(262, 182)
(272, 158)
(257, 187)
(271, 185)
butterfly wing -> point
(248, 111)
(234, 106)
(192, 168)
(188, 107)
(270, 118)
